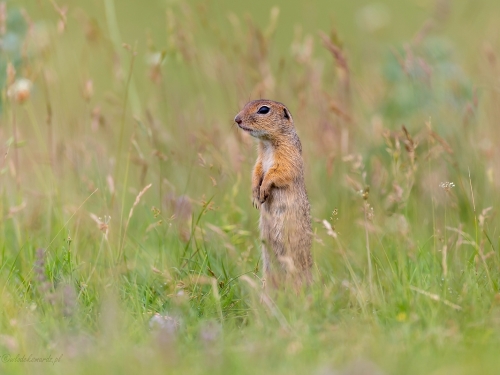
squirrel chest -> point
(267, 156)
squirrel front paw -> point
(255, 197)
(256, 203)
(265, 190)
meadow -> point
(128, 240)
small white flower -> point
(447, 186)
(20, 90)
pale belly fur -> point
(286, 230)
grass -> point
(128, 242)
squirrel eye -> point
(263, 110)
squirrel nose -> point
(238, 119)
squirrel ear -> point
(287, 115)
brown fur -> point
(279, 191)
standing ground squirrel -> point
(279, 192)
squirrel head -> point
(265, 119)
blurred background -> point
(125, 185)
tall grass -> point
(128, 240)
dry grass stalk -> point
(269, 303)
(438, 138)
(131, 212)
(368, 216)
(71, 217)
(435, 297)
(410, 146)
(444, 261)
(339, 111)
(343, 74)
(136, 202)
(339, 56)
(102, 225)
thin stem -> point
(368, 252)
(122, 129)
(445, 247)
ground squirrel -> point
(279, 192)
